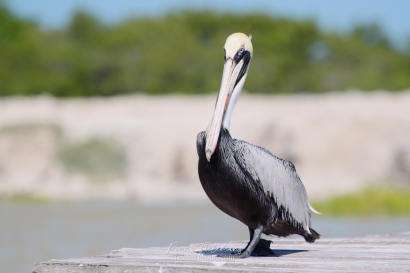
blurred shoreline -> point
(144, 147)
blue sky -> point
(341, 15)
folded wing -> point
(278, 178)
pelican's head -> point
(235, 42)
(238, 53)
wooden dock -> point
(384, 253)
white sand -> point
(339, 142)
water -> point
(31, 233)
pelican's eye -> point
(239, 54)
(245, 56)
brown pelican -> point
(245, 181)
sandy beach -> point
(339, 142)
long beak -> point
(229, 79)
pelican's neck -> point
(232, 102)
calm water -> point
(32, 233)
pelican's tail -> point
(313, 210)
(310, 238)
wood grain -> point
(384, 253)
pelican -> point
(245, 181)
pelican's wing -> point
(278, 178)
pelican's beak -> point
(234, 70)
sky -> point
(340, 15)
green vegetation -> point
(370, 201)
(100, 160)
(23, 198)
(182, 53)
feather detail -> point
(278, 178)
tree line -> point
(182, 53)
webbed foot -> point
(262, 248)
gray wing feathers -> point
(277, 177)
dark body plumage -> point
(233, 185)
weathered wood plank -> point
(389, 253)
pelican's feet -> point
(262, 248)
(240, 255)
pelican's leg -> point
(254, 241)
(262, 248)
(251, 232)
